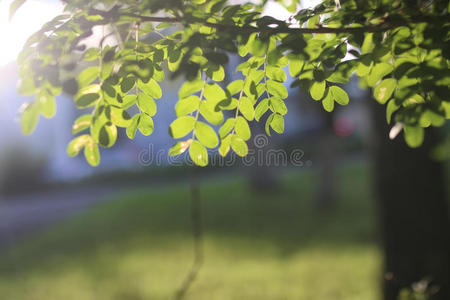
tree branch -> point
(388, 25)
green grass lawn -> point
(257, 246)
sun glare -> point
(28, 19)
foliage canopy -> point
(401, 49)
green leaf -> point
(318, 89)
(146, 125)
(47, 104)
(209, 112)
(151, 88)
(277, 89)
(132, 128)
(198, 154)
(180, 147)
(227, 126)
(390, 109)
(187, 105)
(378, 72)
(261, 109)
(87, 96)
(30, 117)
(77, 144)
(88, 75)
(146, 104)
(225, 145)
(239, 146)
(216, 75)
(108, 135)
(87, 100)
(413, 135)
(214, 93)
(268, 121)
(277, 123)
(92, 153)
(81, 123)
(235, 87)
(242, 128)
(127, 84)
(246, 108)
(276, 73)
(206, 134)
(430, 117)
(182, 126)
(295, 65)
(339, 95)
(120, 117)
(384, 90)
(328, 102)
(278, 105)
(190, 87)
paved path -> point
(23, 215)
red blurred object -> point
(344, 126)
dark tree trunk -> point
(413, 212)
(326, 194)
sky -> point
(28, 19)
(34, 13)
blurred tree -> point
(398, 48)
(413, 213)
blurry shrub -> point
(20, 170)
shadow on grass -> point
(156, 218)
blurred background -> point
(298, 219)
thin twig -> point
(196, 219)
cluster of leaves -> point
(400, 51)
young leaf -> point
(190, 87)
(227, 126)
(127, 84)
(151, 88)
(47, 104)
(328, 102)
(182, 126)
(378, 72)
(146, 125)
(206, 135)
(30, 117)
(384, 90)
(277, 89)
(246, 108)
(261, 109)
(225, 145)
(339, 95)
(133, 126)
(277, 123)
(120, 117)
(278, 105)
(413, 135)
(235, 87)
(276, 73)
(242, 128)
(88, 75)
(180, 147)
(198, 154)
(318, 90)
(92, 153)
(107, 135)
(239, 146)
(187, 105)
(77, 144)
(81, 123)
(146, 104)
